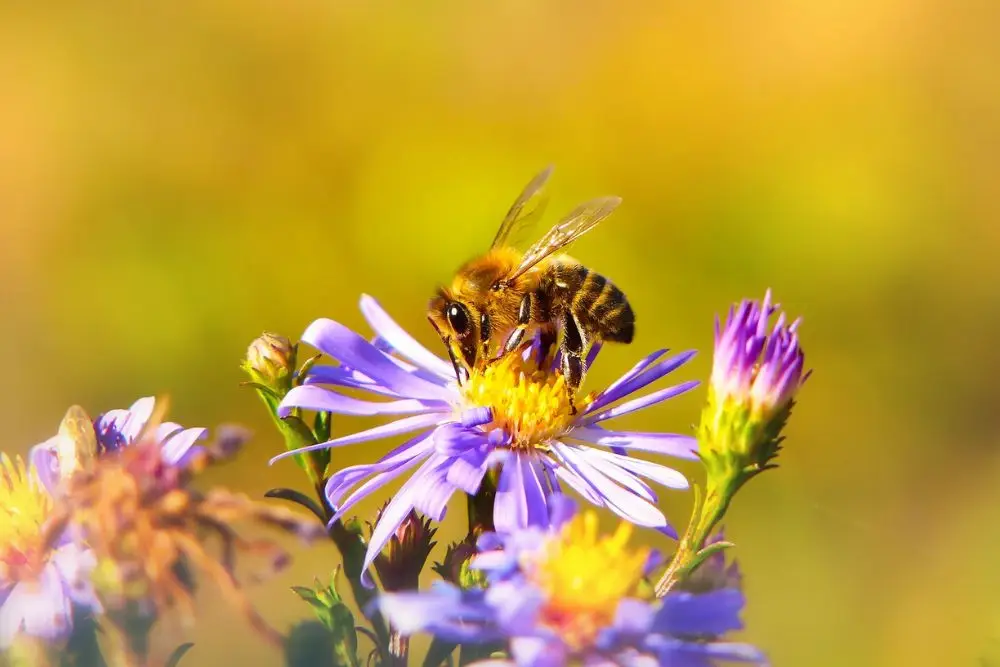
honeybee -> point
(76, 442)
(494, 299)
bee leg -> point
(573, 345)
(523, 320)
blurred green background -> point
(177, 177)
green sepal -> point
(705, 553)
(305, 368)
(336, 617)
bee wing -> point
(527, 208)
(76, 444)
(580, 221)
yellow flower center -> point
(24, 507)
(530, 404)
(584, 577)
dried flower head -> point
(145, 527)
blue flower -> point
(565, 595)
(513, 414)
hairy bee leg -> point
(573, 345)
(523, 320)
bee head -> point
(456, 322)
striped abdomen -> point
(601, 309)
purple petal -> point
(633, 617)
(643, 364)
(352, 350)
(397, 510)
(617, 474)
(342, 376)
(321, 399)
(520, 500)
(634, 384)
(46, 464)
(456, 440)
(401, 341)
(347, 477)
(535, 494)
(567, 472)
(562, 508)
(641, 402)
(680, 446)
(434, 492)
(39, 609)
(714, 613)
(392, 516)
(404, 425)
(467, 472)
(515, 605)
(622, 502)
(179, 445)
(538, 652)
(660, 474)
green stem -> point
(704, 517)
(352, 552)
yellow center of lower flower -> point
(584, 577)
(530, 404)
(24, 507)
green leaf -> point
(298, 497)
(177, 654)
(705, 553)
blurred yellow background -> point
(177, 177)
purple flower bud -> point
(754, 366)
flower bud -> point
(454, 568)
(270, 361)
(756, 373)
(404, 555)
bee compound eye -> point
(458, 318)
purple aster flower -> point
(565, 595)
(512, 414)
(753, 365)
(756, 372)
(39, 586)
(120, 428)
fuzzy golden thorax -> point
(480, 289)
